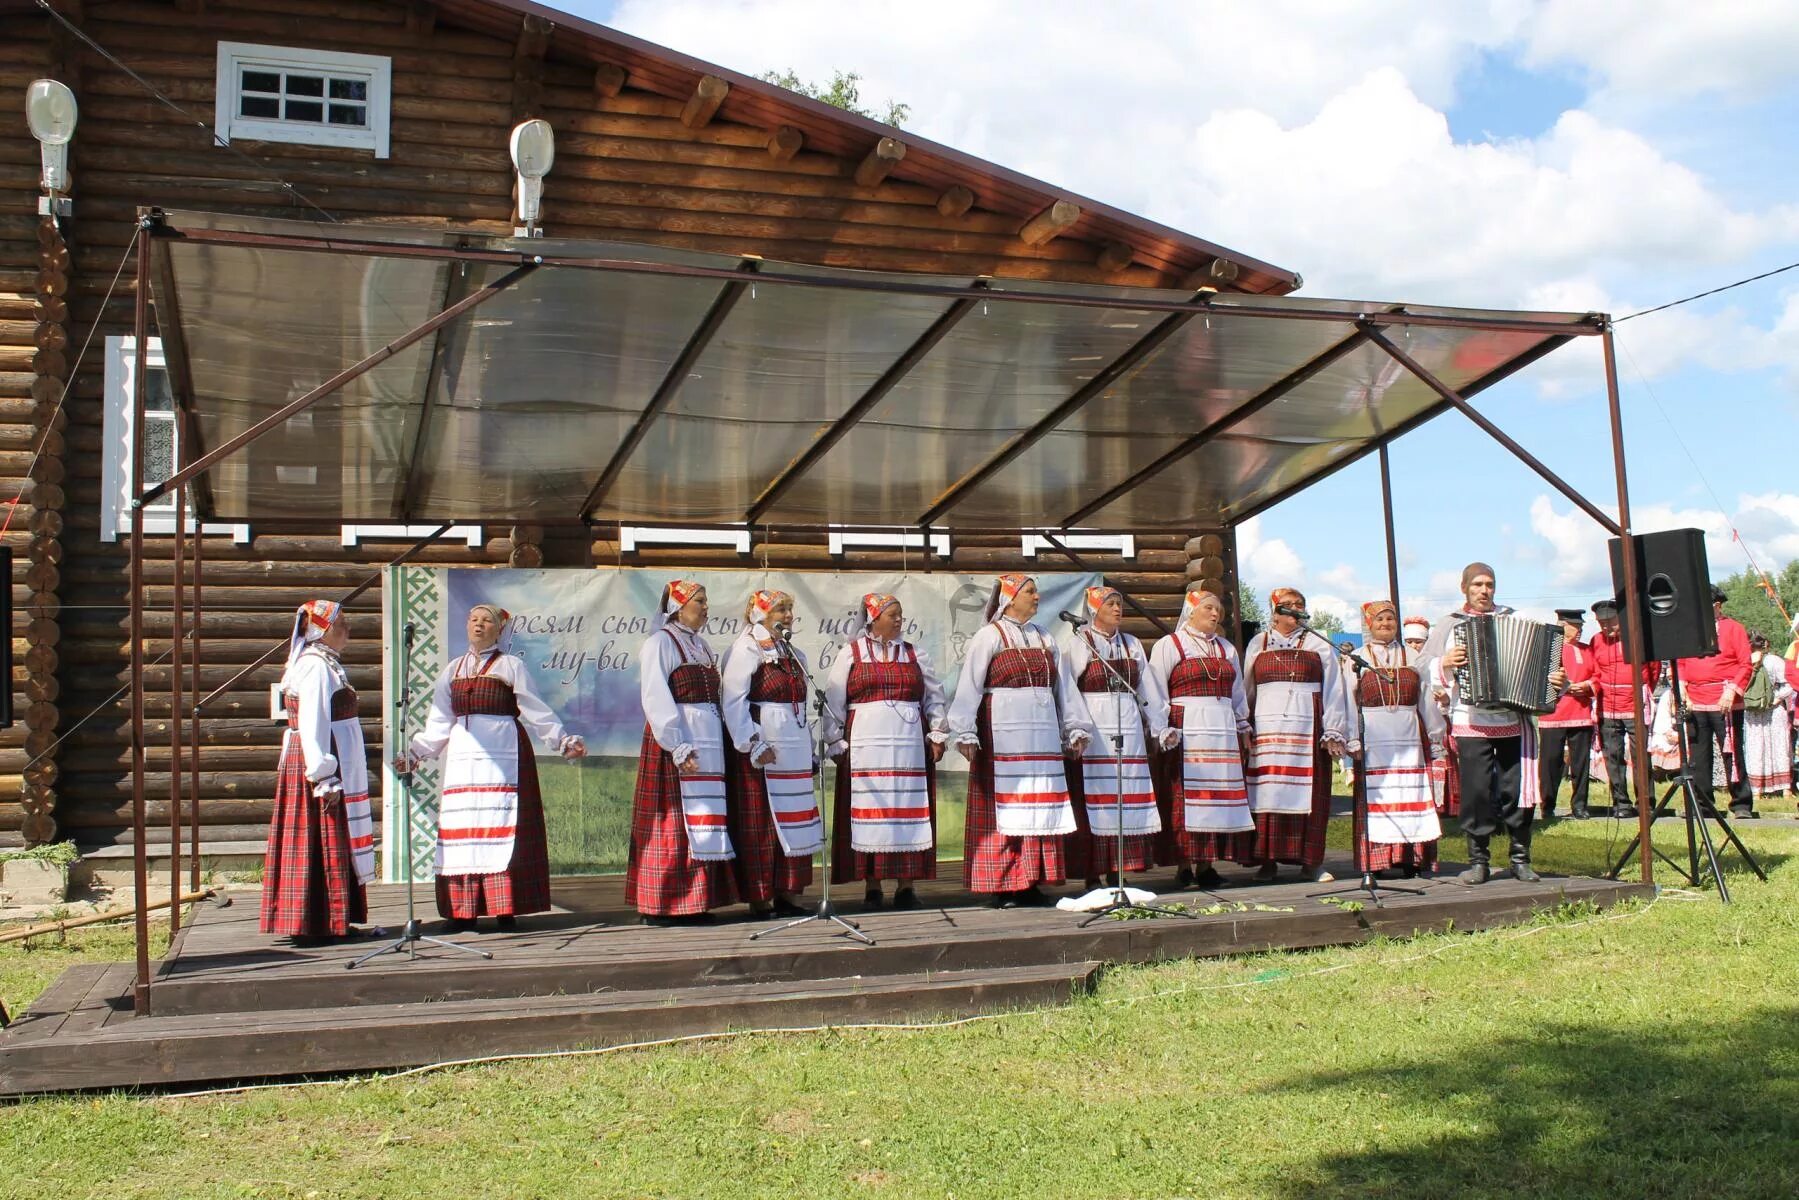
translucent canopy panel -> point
(614, 382)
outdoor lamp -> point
(533, 153)
(50, 111)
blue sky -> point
(1562, 154)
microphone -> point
(1287, 610)
(1074, 621)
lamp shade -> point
(533, 148)
(51, 112)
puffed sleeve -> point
(533, 713)
(1336, 709)
(1239, 689)
(659, 707)
(1077, 721)
(430, 741)
(1152, 691)
(1251, 652)
(741, 661)
(936, 707)
(312, 685)
(837, 700)
(971, 687)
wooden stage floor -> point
(230, 1004)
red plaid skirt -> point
(1452, 782)
(870, 682)
(991, 861)
(762, 869)
(524, 886)
(309, 887)
(660, 879)
(1195, 675)
(1088, 856)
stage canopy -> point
(608, 382)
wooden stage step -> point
(263, 1044)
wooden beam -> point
(527, 66)
(784, 143)
(1218, 271)
(1114, 256)
(533, 37)
(1047, 225)
(882, 158)
(421, 19)
(608, 80)
(955, 202)
(708, 94)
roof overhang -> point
(550, 381)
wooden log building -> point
(398, 111)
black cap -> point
(1718, 596)
(1574, 616)
(1605, 608)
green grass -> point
(587, 812)
(30, 966)
(1648, 1052)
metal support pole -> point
(177, 660)
(1633, 613)
(140, 325)
(1386, 509)
(193, 791)
(1083, 564)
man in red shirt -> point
(1569, 728)
(1614, 681)
(1714, 687)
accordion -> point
(1509, 661)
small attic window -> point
(307, 97)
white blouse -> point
(510, 669)
(656, 661)
(837, 688)
(1152, 694)
(1335, 698)
(971, 688)
(742, 657)
(1167, 656)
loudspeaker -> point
(1676, 592)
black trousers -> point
(1491, 770)
(1704, 729)
(1618, 737)
(1578, 741)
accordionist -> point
(1496, 748)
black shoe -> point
(1479, 856)
(1185, 878)
(1579, 813)
(506, 921)
(1523, 872)
(1624, 812)
(872, 900)
(1111, 878)
(1547, 814)
(1000, 900)
(906, 900)
(1745, 814)
(657, 922)
(1032, 897)
(1477, 873)
(1208, 879)
(457, 925)
(787, 908)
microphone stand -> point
(410, 937)
(825, 911)
(1358, 799)
(1118, 686)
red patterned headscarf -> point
(1191, 601)
(312, 620)
(764, 601)
(1005, 590)
(872, 606)
(1373, 609)
(1096, 597)
(1291, 597)
(675, 595)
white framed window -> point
(1123, 544)
(473, 535)
(162, 444)
(842, 542)
(630, 537)
(309, 97)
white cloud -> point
(1664, 51)
(1268, 563)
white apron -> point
(1113, 711)
(703, 792)
(478, 817)
(788, 779)
(1030, 790)
(890, 797)
(1284, 760)
(1215, 798)
(1402, 807)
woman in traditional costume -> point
(321, 852)
(493, 858)
(1396, 827)
(1129, 705)
(681, 852)
(1767, 729)
(775, 824)
(1200, 782)
(886, 723)
(1301, 716)
(1014, 716)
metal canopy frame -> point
(155, 276)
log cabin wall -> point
(632, 164)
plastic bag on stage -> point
(1099, 897)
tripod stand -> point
(410, 937)
(1696, 811)
(825, 911)
(1118, 687)
(1369, 882)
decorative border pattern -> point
(411, 595)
